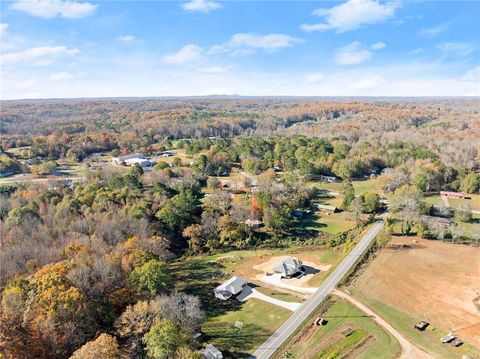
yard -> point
(348, 333)
(473, 202)
(426, 280)
(200, 275)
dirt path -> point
(408, 349)
(276, 280)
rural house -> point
(438, 221)
(289, 267)
(324, 208)
(230, 288)
(453, 195)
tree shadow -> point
(200, 279)
(233, 342)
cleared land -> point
(433, 281)
(199, 275)
(349, 333)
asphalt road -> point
(275, 341)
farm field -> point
(366, 340)
(433, 281)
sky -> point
(68, 49)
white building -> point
(230, 288)
(211, 352)
(132, 160)
(289, 267)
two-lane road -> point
(275, 341)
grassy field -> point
(473, 202)
(200, 275)
(328, 342)
(369, 185)
(429, 340)
(260, 320)
(428, 280)
(321, 222)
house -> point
(324, 208)
(289, 267)
(210, 352)
(453, 195)
(132, 160)
(328, 179)
(253, 223)
(438, 221)
(230, 288)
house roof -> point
(288, 266)
(325, 206)
(234, 285)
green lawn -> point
(260, 320)
(429, 340)
(369, 185)
(341, 314)
(321, 222)
(434, 200)
(473, 202)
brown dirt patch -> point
(434, 281)
(267, 266)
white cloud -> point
(245, 43)
(352, 14)
(368, 83)
(126, 38)
(3, 27)
(472, 75)
(456, 48)
(315, 77)
(352, 54)
(215, 69)
(187, 54)
(416, 51)
(378, 45)
(39, 53)
(25, 84)
(435, 30)
(49, 9)
(201, 6)
(60, 76)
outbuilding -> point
(324, 208)
(211, 352)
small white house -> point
(132, 160)
(211, 352)
(230, 288)
(289, 267)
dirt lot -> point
(434, 281)
(311, 269)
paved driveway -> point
(248, 293)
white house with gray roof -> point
(289, 267)
(230, 288)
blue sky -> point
(57, 48)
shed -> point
(211, 352)
(448, 338)
(230, 288)
(422, 325)
(289, 267)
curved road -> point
(275, 341)
(408, 349)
